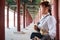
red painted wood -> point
(59, 17)
(55, 13)
(2, 20)
(24, 15)
(14, 17)
(28, 18)
(7, 15)
(18, 15)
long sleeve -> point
(43, 23)
(52, 26)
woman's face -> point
(43, 9)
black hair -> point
(46, 4)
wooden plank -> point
(2, 20)
(18, 15)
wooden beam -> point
(2, 20)
(57, 18)
(7, 15)
(18, 15)
(14, 17)
(24, 15)
(55, 13)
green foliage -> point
(38, 1)
(25, 1)
(10, 2)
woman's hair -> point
(46, 4)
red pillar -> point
(2, 20)
(55, 13)
(7, 15)
(59, 17)
(18, 15)
(24, 15)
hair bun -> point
(45, 3)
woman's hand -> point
(43, 31)
(35, 27)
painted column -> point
(18, 15)
(55, 13)
(24, 15)
(7, 15)
(14, 16)
(59, 16)
(2, 20)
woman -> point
(46, 27)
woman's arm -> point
(52, 26)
